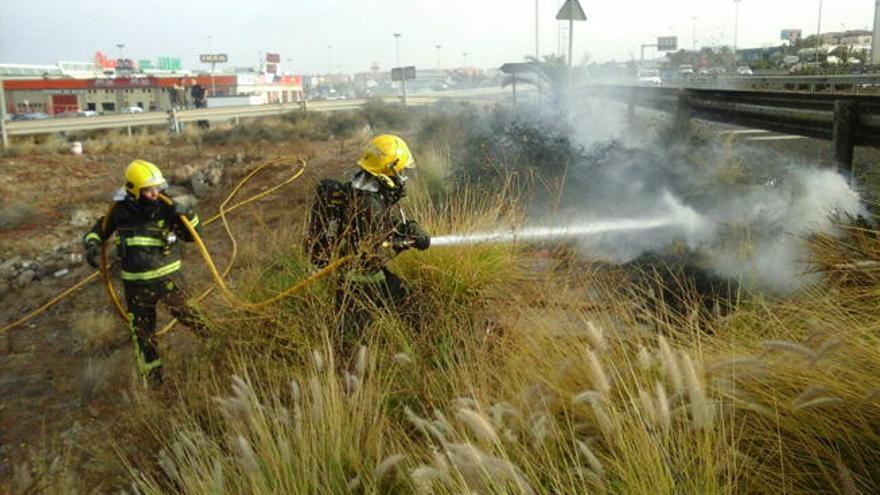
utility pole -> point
(397, 49)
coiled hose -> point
(217, 276)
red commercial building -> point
(150, 93)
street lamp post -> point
(736, 30)
(438, 47)
(537, 18)
(329, 59)
(397, 49)
(819, 32)
(693, 34)
(464, 55)
(213, 64)
(875, 37)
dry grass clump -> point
(14, 215)
(97, 331)
(120, 142)
(267, 433)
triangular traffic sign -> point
(571, 11)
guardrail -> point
(175, 117)
(852, 84)
(846, 120)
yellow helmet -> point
(141, 174)
(385, 157)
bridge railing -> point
(846, 120)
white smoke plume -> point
(755, 207)
(743, 212)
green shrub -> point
(384, 117)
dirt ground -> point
(56, 394)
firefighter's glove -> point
(420, 239)
(93, 254)
(182, 209)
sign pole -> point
(514, 89)
(403, 84)
(571, 11)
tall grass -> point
(548, 383)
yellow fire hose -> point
(218, 278)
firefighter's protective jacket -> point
(372, 220)
(147, 237)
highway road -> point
(128, 121)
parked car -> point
(744, 71)
(31, 116)
(650, 77)
(132, 110)
(87, 113)
(686, 71)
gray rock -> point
(187, 200)
(182, 175)
(177, 191)
(52, 266)
(25, 278)
(81, 218)
(213, 176)
(61, 273)
(39, 270)
(199, 185)
(9, 268)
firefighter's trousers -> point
(359, 299)
(141, 299)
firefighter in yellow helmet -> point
(363, 217)
(147, 234)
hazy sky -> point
(360, 32)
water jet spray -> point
(677, 216)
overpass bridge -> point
(846, 119)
